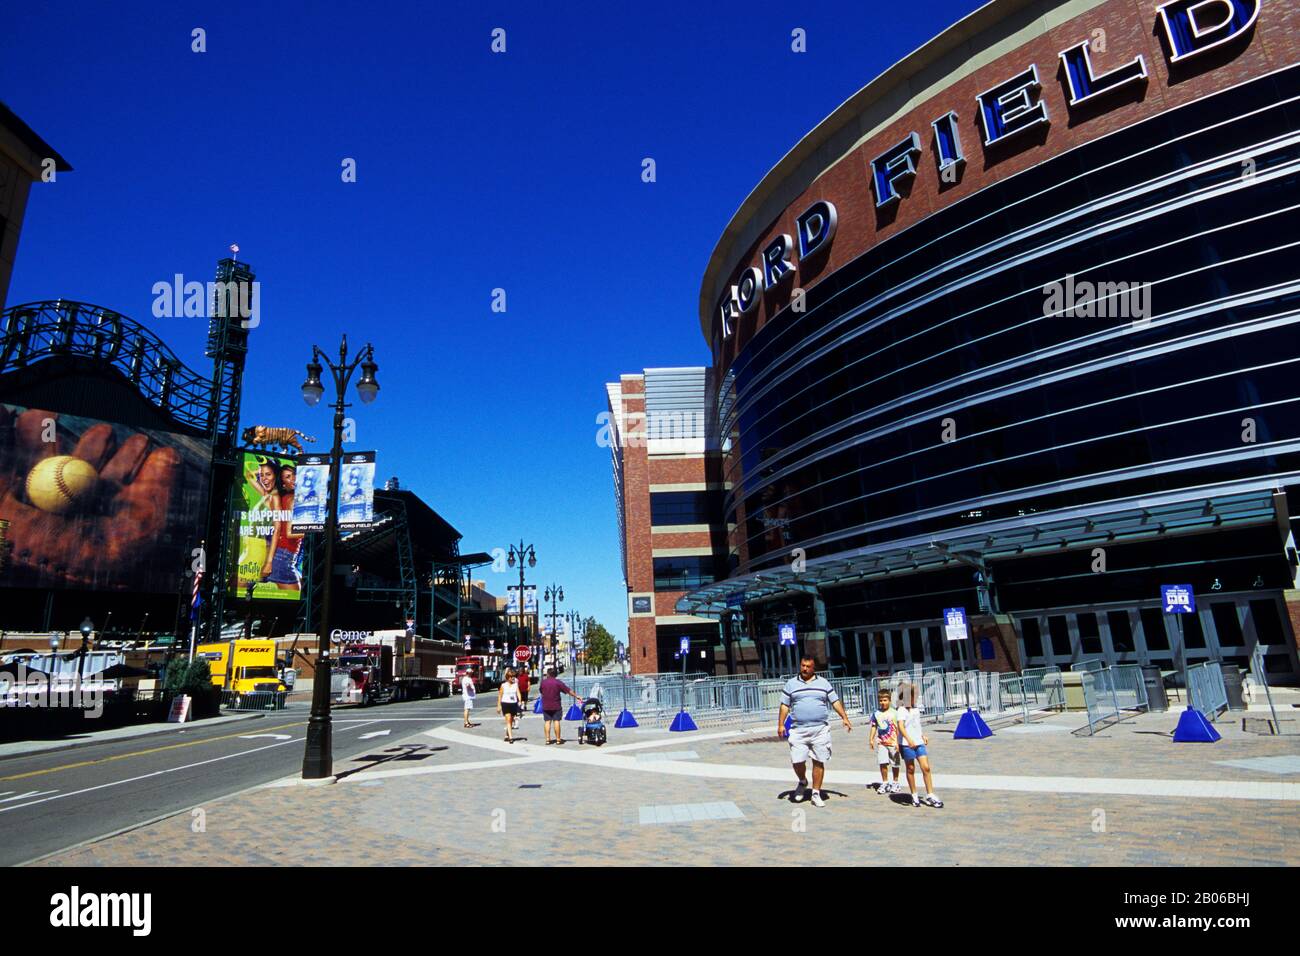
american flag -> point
(196, 599)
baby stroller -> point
(592, 730)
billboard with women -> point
(269, 552)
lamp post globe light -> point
(318, 759)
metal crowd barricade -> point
(1092, 664)
(1205, 689)
(1130, 688)
(1261, 677)
(1043, 687)
(1100, 698)
(1110, 691)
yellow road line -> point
(141, 753)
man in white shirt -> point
(467, 692)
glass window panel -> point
(1268, 625)
(1227, 626)
(1032, 636)
(1153, 629)
(1059, 630)
(1089, 634)
(1121, 631)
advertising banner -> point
(312, 496)
(269, 549)
(357, 491)
(512, 599)
(96, 505)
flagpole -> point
(196, 600)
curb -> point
(78, 744)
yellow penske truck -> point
(242, 667)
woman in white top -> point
(508, 702)
(914, 745)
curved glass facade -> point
(938, 381)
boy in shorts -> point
(883, 740)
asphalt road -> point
(52, 801)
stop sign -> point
(523, 652)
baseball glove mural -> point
(97, 505)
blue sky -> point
(475, 171)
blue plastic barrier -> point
(1194, 728)
(971, 726)
(683, 722)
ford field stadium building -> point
(1016, 329)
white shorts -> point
(814, 740)
(469, 703)
(884, 755)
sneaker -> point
(932, 801)
(883, 789)
(916, 801)
(817, 800)
(801, 793)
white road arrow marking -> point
(271, 736)
(30, 793)
(375, 733)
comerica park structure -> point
(1013, 330)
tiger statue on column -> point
(260, 436)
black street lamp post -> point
(87, 628)
(554, 594)
(524, 551)
(248, 620)
(318, 760)
(575, 626)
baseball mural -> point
(94, 504)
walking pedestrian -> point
(914, 744)
(468, 692)
(524, 682)
(508, 702)
(551, 690)
(807, 699)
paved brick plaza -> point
(1027, 796)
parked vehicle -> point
(484, 670)
(390, 665)
(243, 667)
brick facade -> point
(641, 467)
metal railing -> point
(1044, 688)
(655, 699)
(1130, 688)
(252, 700)
(1092, 665)
(1110, 692)
(1206, 691)
(1261, 677)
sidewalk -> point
(1030, 795)
(26, 748)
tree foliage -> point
(599, 644)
